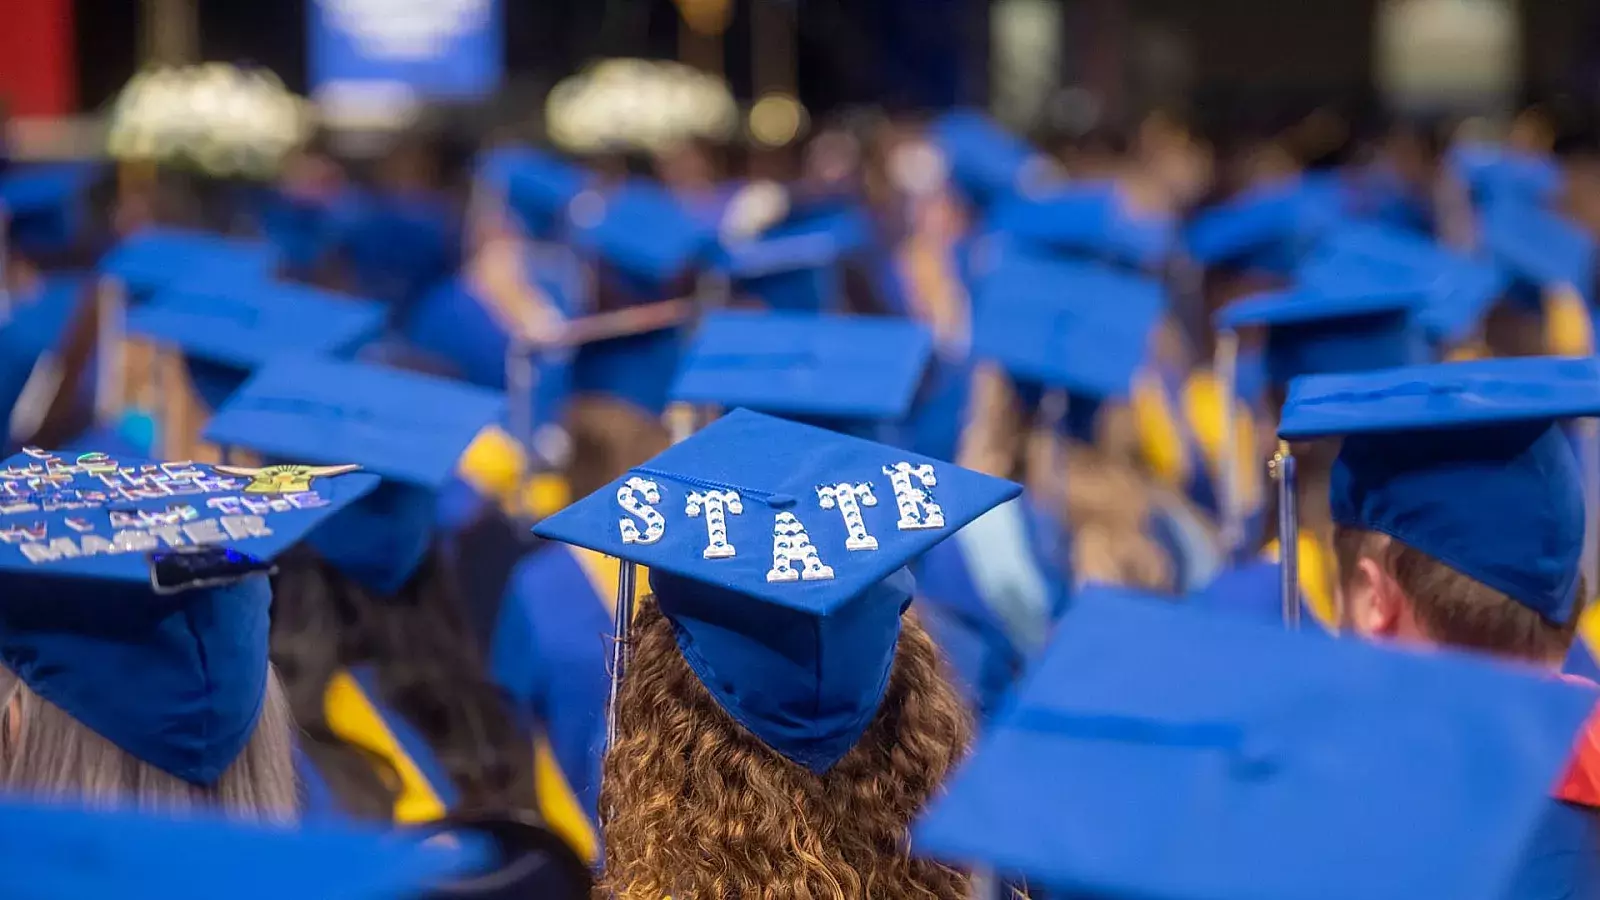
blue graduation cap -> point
(156, 257)
(985, 161)
(1333, 327)
(1493, 173)
(399, 245)
(228, 327)
(1160, 752)
(44, 205)
(821, 369)
(35, 327)
(778, 551)
(1465, 462)
(1269, 226)
(70, 853)
(643, 232)
(1539, 247)
(132, 596)
(1459, 289)
(1088, 219)
(408, 428)
(795, 265)
(537, 187)
(1079, 327)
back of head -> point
(46, 752)
(697, 806)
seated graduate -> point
(134, 630)
(1314, 330)
(1157, 751)
(400, 719)
(779, 717)
(1550, 262)
(1071, 335)
(1459, 518)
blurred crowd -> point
(1117, 426)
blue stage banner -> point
(436, 49)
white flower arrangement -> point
(635, 104)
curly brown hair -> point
(697, 807)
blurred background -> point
(1060, 68)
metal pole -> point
(1283, 466)
(1226, 364)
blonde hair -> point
(46, 752)
(697, 807)
(1104, 499)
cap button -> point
(781, 501)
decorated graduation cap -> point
(1092, 220)
(134, 595)
(778, 550)
(1464, 462)
(228, 326)
(1458, 289)
(157, 257)
(408, 428)
(71, 853)
(1079, 328)
(1157, 751)
(827, 370)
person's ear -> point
(1374, 605)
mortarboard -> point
(643, 232)
(1270, 226)
(1459, 289)
(1093, 220)
(778, 550)
(156, 257)
(1494, 173)
(1464, 462)
(68, 853)
(398, 244)
(1080, 327)
(44, 205)
(1333, 328)
(134, 596)
(408, 428)
(795, 264)
(984, 160)
(1539, 247)
(228, 326)
(815, 368)
(36, 327)
(1159, 752)
(537, 187)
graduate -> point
(1315, 329)
(1551, 264)
(400, 720)
(779, 716)
(134, 628)
(1160, 752)
(1067, 338)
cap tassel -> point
(621, 647)
(1288, 536)
(1227, 367)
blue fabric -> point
(175, 679)
(157, 257)
(1560, 862)
(1465, 462)
(643, 231)
(410, 740)
(67, 852)
(36, 327)
(1078, 326)
(637, 368)
(1496, 173)
(984, 161)
(1269, 227)
(837, 367)
(798, 660)
(940, 411)
(45, 205)
(1325, 328)
(1540, 248)
(537, 187)
(398, 246)
(1152, 732)
(408, 428)
(1090, 220)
